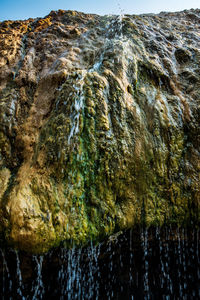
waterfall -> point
(155, 263)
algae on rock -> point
(99, 126)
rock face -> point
(99, 125)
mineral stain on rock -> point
(99, 125)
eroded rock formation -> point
(99, 125)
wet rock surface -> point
(99, 125)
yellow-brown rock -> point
(100, 125)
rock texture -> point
(99, 125)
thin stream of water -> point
(113, 36)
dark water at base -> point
(138, 264)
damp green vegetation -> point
(108, 148)
(108, 177)
(114, 173)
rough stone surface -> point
(99, 125)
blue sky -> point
(24, 9)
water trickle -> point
(22, 56)
(6, 275)
(19, 277)
(77, 105)
(113, 34)
(131, 259)
(144, 239)
(167, 260)
(113, 38)
(38, 288)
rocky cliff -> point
(99, 125)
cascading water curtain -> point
(138, 264)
